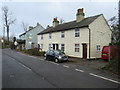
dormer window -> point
(50, 35)
(77, 32)
(62, 34)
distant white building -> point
(30, 37)
(83, 37)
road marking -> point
(79, 70)
(53, 63)
(104, 78)
(66, 66)
(25, 66)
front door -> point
(55, 46)
(84, 50)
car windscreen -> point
(58, 53)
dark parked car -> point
(55, 55)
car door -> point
(48, 54)
(52, 55)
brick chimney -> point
(55, 22)
(80, 15)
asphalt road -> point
(24, 71)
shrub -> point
(34, 51)
(112, 66)
(42, 53)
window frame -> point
(62, 34)
(77, 32)
(98, 48)
(77, 48)
(63, 47)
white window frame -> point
(62, 34)
(77, 32)
(77, 47)
(98, 48)
(63, 46)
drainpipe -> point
(89, 40)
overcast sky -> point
(44, 12)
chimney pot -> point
(79, 15)
(55, 22)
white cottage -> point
(30, 37)
(83, 37)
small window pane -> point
(76, 47)
(62, 47)
(62, 34)
(98, 48)
(77, 32)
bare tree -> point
(113, 22)
(8, 19)
(25, 26)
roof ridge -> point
(83, 19)
(93, 16)
(71, 25)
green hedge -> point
(112, 66)
(34, 51)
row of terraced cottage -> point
(83, 37)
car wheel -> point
(56, 60)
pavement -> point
(24, 71)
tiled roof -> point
(70, 25)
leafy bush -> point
(34, 51)
(112, 66)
